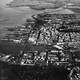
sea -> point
(11, 17)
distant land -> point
(15, 3)
(73, 5)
